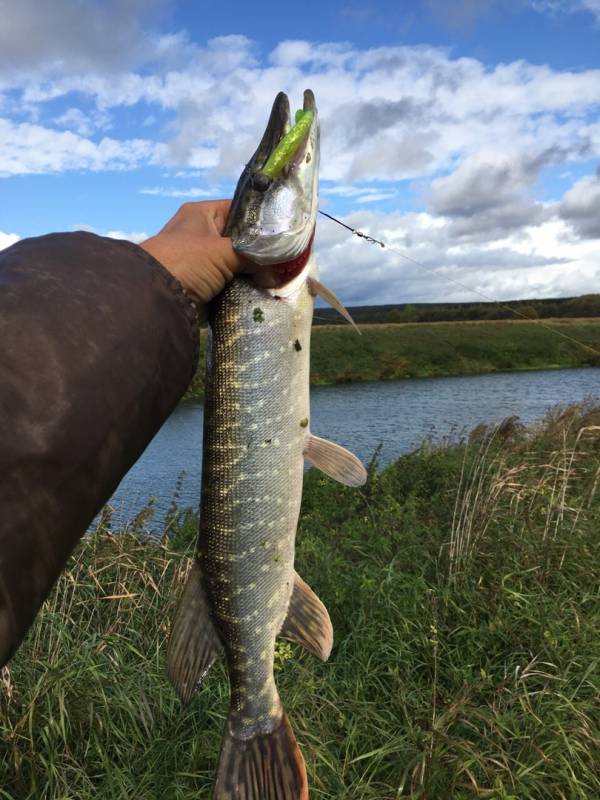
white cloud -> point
(581, 206)
(6, 239)
(345, 190)
(387, 113)
(68, 35)
(540, 261)
(472, 139)
(375, 197)
(568, 6)
(593, 6)
(29, 149)
(360, 194)
(490, 193)
(84, 124)
(75, 120)
(131, 236)
(192, 191)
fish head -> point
(272, 219)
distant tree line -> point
(588, 305)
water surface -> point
(396, 414)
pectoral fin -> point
(307, 621)
(315, 287)
(194, 643)
(335, 461)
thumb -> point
(234, 263)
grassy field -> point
(387, 352)
(463, 583)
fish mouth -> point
(278, 126)
(273, 213)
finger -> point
(220, 212)
(222, 205)
(223, 250)
(207, 216)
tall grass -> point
(463, 584)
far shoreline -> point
(394, 351)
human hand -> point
(192, 248)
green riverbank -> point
(421, 350)
(463, 585)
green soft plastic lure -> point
(289, 145)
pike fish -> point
(243, 592)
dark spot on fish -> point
(258, 315)
(252, 214)
(267, 441)
(304, 422)
(297, 345)
(308, 158)
(260, 181)
(277, 297)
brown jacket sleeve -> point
(98, 342)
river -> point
(396, 414)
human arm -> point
(98, 342)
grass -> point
(388, 352)
(463, 585)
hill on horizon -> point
(587, 305)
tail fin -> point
(266, 767)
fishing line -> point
(499, 303)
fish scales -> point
(256, 416)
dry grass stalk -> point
(479, 488)
(546, 484)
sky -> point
(466, 135)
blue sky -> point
(467, 134)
